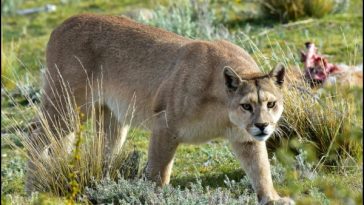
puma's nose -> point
(261, 126)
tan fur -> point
(189, 91)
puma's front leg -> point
(253, 158)
(162, 148)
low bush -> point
(139, 191)
(287, 10)
(193, 19)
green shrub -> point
(318, 8)
(287, 10)
(12, 174)
(283, 9)
(9, 7)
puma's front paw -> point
(281, 201)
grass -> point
(331, 152)
(295, 9)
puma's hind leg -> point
(114, 132)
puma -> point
(183, 90)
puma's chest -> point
(209, 127)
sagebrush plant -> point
(189, 18)
(304, 168)
(12, 174)
(140, 191)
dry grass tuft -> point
(66, 165)
(327, 122)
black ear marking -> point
(232, 79)
(278, 74)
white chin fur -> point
(261, 139)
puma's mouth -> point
(261, 136)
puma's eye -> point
(247, 107)
(271, 104)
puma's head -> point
(255, 101)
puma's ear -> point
(278, 74)
(232, 79)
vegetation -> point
(286, 10)
(316, 156)
(8, 7)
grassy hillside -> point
(309, 172)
